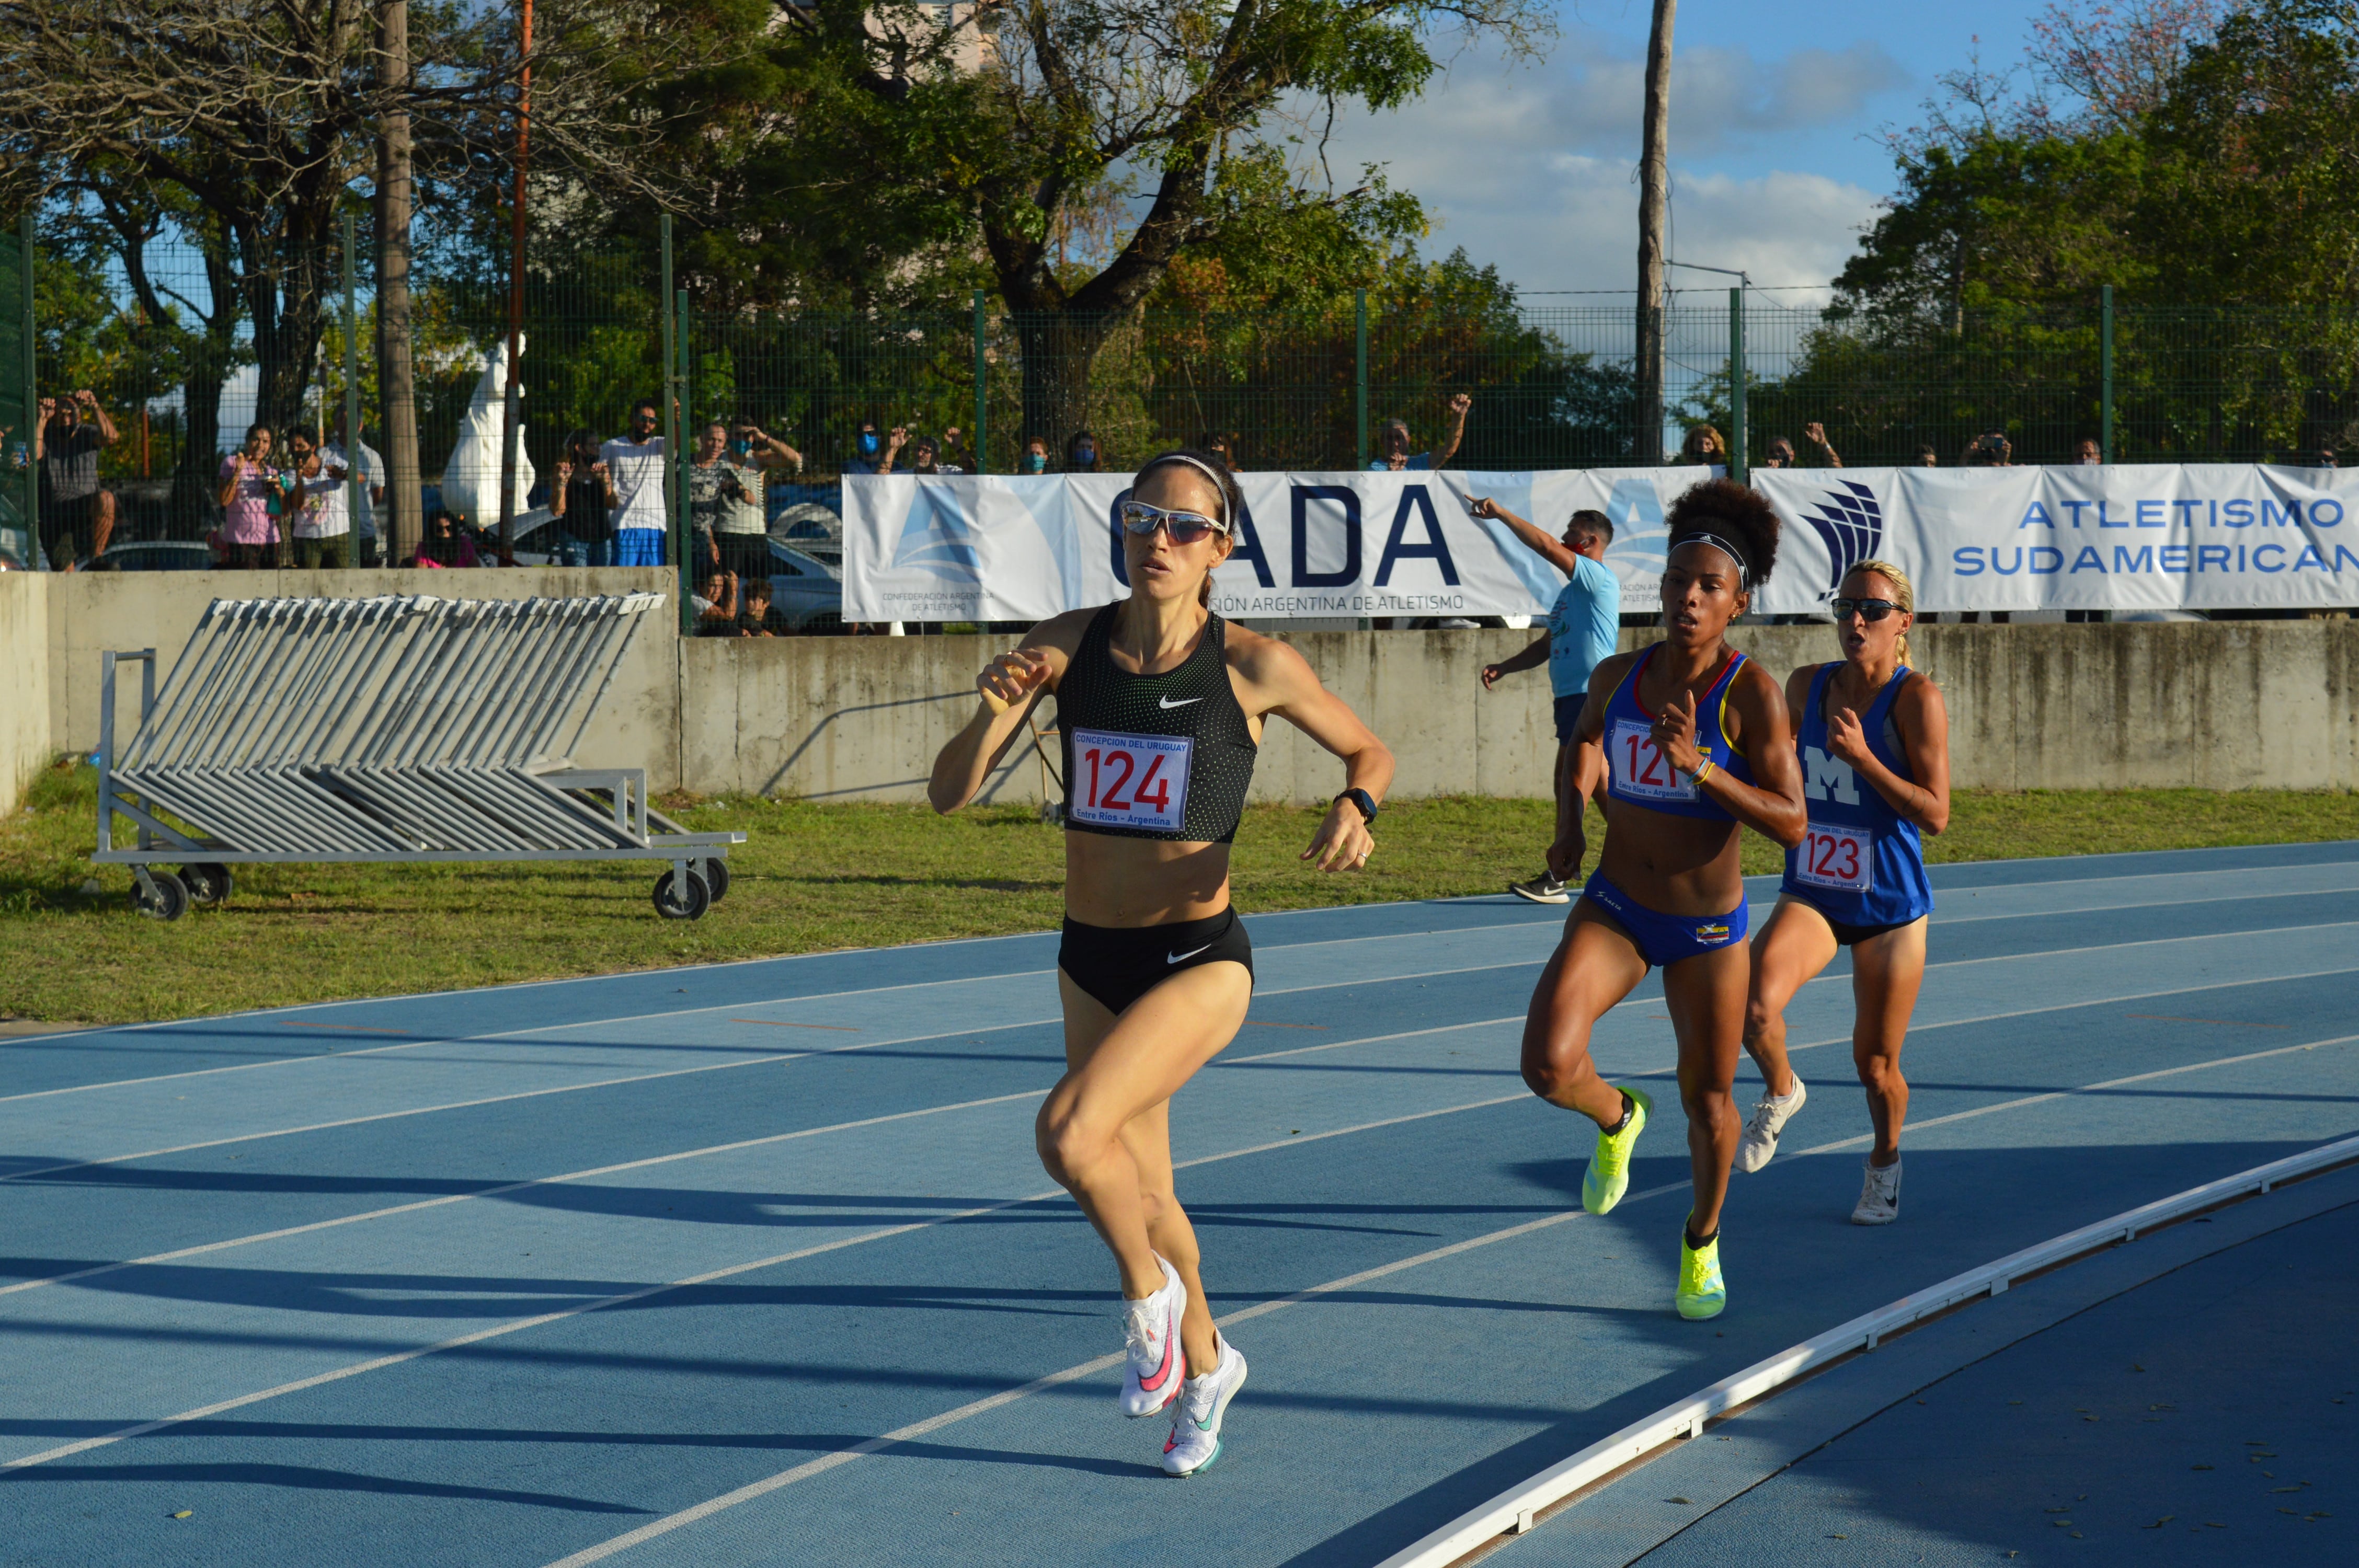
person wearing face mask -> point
(1081, 454)
(1035, 456)
(867, 449)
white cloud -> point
(1532, 169)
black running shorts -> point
(1118, 965)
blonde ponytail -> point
(1900, 586)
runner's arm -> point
(1924, 722)
(1282, 682)
(1528, 658)
(1772, 805)
(1011, 687)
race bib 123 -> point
(1836, 858)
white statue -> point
(471, 479)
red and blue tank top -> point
(1636, 771)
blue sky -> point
(1775, 111)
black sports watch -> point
(1360, 798)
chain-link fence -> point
(183, 352)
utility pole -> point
(396, 380)
(1654, 220)
(511, 392)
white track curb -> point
(1513, 1511)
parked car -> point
(805, 589)
(151, 556)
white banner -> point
(2127, 537)
(994, 547)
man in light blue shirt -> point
(1582, 625)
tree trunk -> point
(1058, 351)
(397, 384)
(1654, 221)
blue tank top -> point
(1636, 771)
(1862, 862)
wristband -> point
(1703, 773)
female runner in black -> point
(1696, 745)
(1161, 705)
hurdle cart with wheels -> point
(401, 729)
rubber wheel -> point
(682, 898)
(169, 900)
(716, 877)
(208, 883)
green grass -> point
(811, 878)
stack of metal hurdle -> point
(404, 728)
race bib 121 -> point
(1836, 858)
(1641, 768)
(1129, 780)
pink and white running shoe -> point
(1150, 1332)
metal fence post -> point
(679, 379)
(1736, 384)
(356, 490)
(1360, 376)
(32, 410)
(2105, 374)
(982, 387)
(667, 388)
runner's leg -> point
(1887, 971)
(1793, 945)
(1593, 967)
(1148, 1136)
(1119, 1068)
(1706, 998)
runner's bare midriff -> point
(1673, 865)
(1142, 881)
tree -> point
(1653, 226)
(1190, 115)
(246, 125)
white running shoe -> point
(1195, 1440)
(1770, 1115)
(1150, 1332)
(1879, 1196)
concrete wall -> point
(2228, 705)
(637, 727)
(2224, 705)
(26, 742)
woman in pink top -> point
(249, 483)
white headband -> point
(1220, 485)
(1725, 548)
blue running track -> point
(754, 1264)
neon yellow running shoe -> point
(1609, 1162)
(1702, 1292)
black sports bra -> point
(1167, 756)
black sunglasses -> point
(1870, 609)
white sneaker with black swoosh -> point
(1195, 1440)
(1150, 1333)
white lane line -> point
(2085, 1090)
(2125, 908)
(517, 1325)
(827, 1462)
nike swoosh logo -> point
(1167, 702)
(1163, 1372)
(1183, 957)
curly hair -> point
(1732, 511)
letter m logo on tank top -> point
(1822, 776)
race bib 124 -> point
(1836, 858)
(1129, 780)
